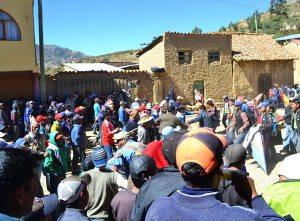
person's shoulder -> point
(239, 211)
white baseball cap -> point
(69, 189)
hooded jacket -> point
(58, 160)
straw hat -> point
(144, 119)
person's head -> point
(170, 144)
(87, 163)
(295, 104)
(235, 156)
(199, 158)
(145, 120)
(15, 106)
(18, 182)
(270, 109)
(122, 103)
(34, 128)
(231, 101)
(209, 104)
(72, 191)
(289, 168)
(179, 98)
(42, 120)
(96, 100)
(120, 139)
(107, 115)
(142, 167)
(238, 104)
(171, 109)
(226, 98)
(99, 157)
(202, 107)
(59, 117)
(77, 119)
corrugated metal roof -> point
(258, 47)
(289, 37)
(92, 67)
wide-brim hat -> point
(121, 135)
(144, 119)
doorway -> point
(264, 83)
(199, 86)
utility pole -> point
(255, 22)
(41, 48)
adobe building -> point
(216, 63)
(292, 44)
(18, 66)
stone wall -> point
(246, 75)
(153, 57)
(294, 48)
(217, 76)
(100, 82)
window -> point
(185, 57)
(213, 56)
(9, 29)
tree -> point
(197, 30)
(222, 29)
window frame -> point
(213, 59)
(187, 59)
(4, 30)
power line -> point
(237, 4)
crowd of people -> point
(147, 162)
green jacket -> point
(58, 160)
(284, 198)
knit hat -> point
(142, 164)
(99, 157)
(170, 144)
(202, 148)
(290, 167)
(69, 189)
(235, 153)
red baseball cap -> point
(40, 118)
(58, 116)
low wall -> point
(139, 82)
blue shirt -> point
(4, 217)
(96, 109)
(122, 115)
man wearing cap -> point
(27, 113)
(142, 168)
(203, 118)
(199, 158)
(103, 187)
(234, 160)
(284, 195)
(57, 162)
(56, 126)
(143, 132)
(122, 114)
(73, 193)
(15, 119)
(97, 110)
(164, 183)
(78, 139)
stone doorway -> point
(264, 83)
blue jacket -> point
(203, 119)
(27, 114)
(202, 204)
(78, 135)
(122, 116)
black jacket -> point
(162, 184)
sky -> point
(97, 27)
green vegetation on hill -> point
(283, 18)
(126, 56)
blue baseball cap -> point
(238, 103)
(99, 157)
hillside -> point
(55, 56)
(128, 56)
(282, 20)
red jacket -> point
(107, 133)
(154, 150)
